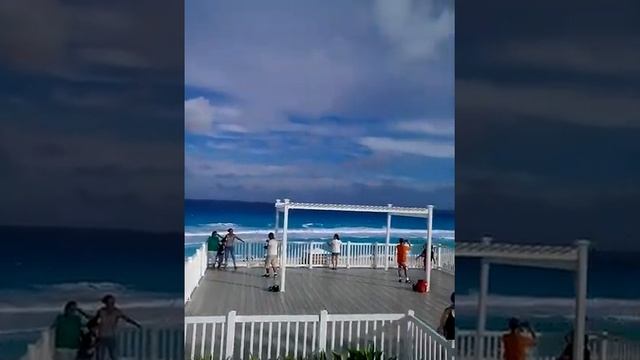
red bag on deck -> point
(420, 286)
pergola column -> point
(482, 303)
(581, 300)
(285, 227)
(387, 239)
(277, 224)
(427, 260)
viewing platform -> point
(342, 291)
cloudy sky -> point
(548, 122)
(320, 101)
(92, 114)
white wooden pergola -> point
(570, 258)
(287, 205)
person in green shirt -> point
(213, 242)
(67, 331)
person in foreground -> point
(448, 320)
(67, 331)
(518, 340)
(272, 255)
(335, 244)
(567, 353)
(108, 317)
(402, 253)
(229, 241)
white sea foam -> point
(540, 307)
(51, 298)
(309, 232)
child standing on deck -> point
(402, 253)
(89, 341)
(220, 253)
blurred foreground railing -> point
(145, 344)
(279, 336)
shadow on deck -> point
(308, 291)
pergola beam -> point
(390, 210)
(543, 256)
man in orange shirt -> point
(402, 253)
(519, 339)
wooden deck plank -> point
(344, 291)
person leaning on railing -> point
(213, 245)
(68, 331)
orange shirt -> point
(515, 346)
(401, 252)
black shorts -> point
(335, 254)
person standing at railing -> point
(423, 255)
(518, 340)
(229, 241)
(67, 331)
(402, 253)
(272, 255)
(335, 245)
(108, 317)
(213, 244)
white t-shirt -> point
(272, 247)
(335, 245)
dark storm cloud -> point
(92, 114)
(548, 122)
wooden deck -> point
(344, 291)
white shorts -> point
(272, 260)
(65, 354)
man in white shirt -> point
(335, 251)
(272, 255)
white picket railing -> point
(427, 343)
(313, 254)
(150, 343)
(601, 346)
(194, 269)
(276, 336)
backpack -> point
(420, 286)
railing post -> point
(47, 344)
(581, 299)
(408, 337)
(348, 254)
(482, 304)
(375, 255)
(154, 344)
(439, 257)
(231, 333)
(310, 255)
(603, 346)
(322, 333)
(387, 239)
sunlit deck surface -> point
(308, 291)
